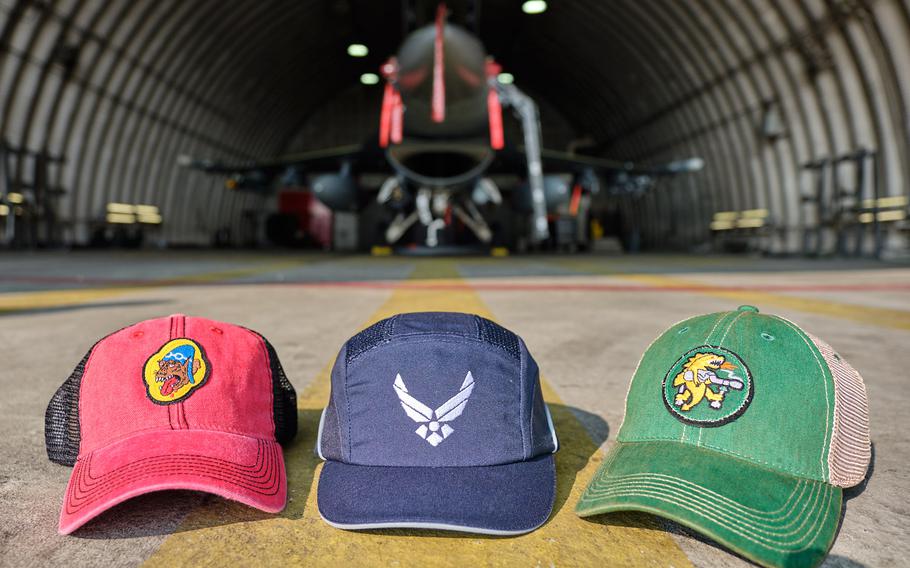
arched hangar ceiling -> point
(759, 88)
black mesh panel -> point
(369, 338)
(499, 336)
(284, 398)
(61, 420)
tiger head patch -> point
(708, 386)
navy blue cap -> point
(436, 420)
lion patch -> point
(708, 386)
(173, 372)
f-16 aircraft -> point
(440, 144)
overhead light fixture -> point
(369, 78)
(14, 197)
(505, 78)
(534, 7)
(358, 50)
(4, 210)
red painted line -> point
(553, 287)
(471, 285)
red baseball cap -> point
(172, 403)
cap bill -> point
(507, 499)
(769, 517)
(245, 469)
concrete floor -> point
(587, 319)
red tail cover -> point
(439, 85)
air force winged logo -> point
(434, 427)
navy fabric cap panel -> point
(434, 390)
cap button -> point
(747, 308)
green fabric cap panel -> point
(769, 399)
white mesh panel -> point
(850, 452)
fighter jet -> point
(440, 142)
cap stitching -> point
(780, 513)
(723, 315)
(712, 514)
(604, 485)
(347, 404)
(729, 327)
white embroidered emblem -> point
(430, 428)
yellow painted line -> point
(882, 317)
(45, 299)
(436, 268)
(224, 533)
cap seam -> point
(484, 344)
(443, 336)
(723, 315)
(347, 406)
(720, 344)
(526, 437)
(723, 338)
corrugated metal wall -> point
(121, 88)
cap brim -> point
(245, 469)
(769, 517)
(507, 499)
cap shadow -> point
(160, 513)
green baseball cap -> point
(744, 428)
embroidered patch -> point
(434, 427)
(708, 386)
(173, 372)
